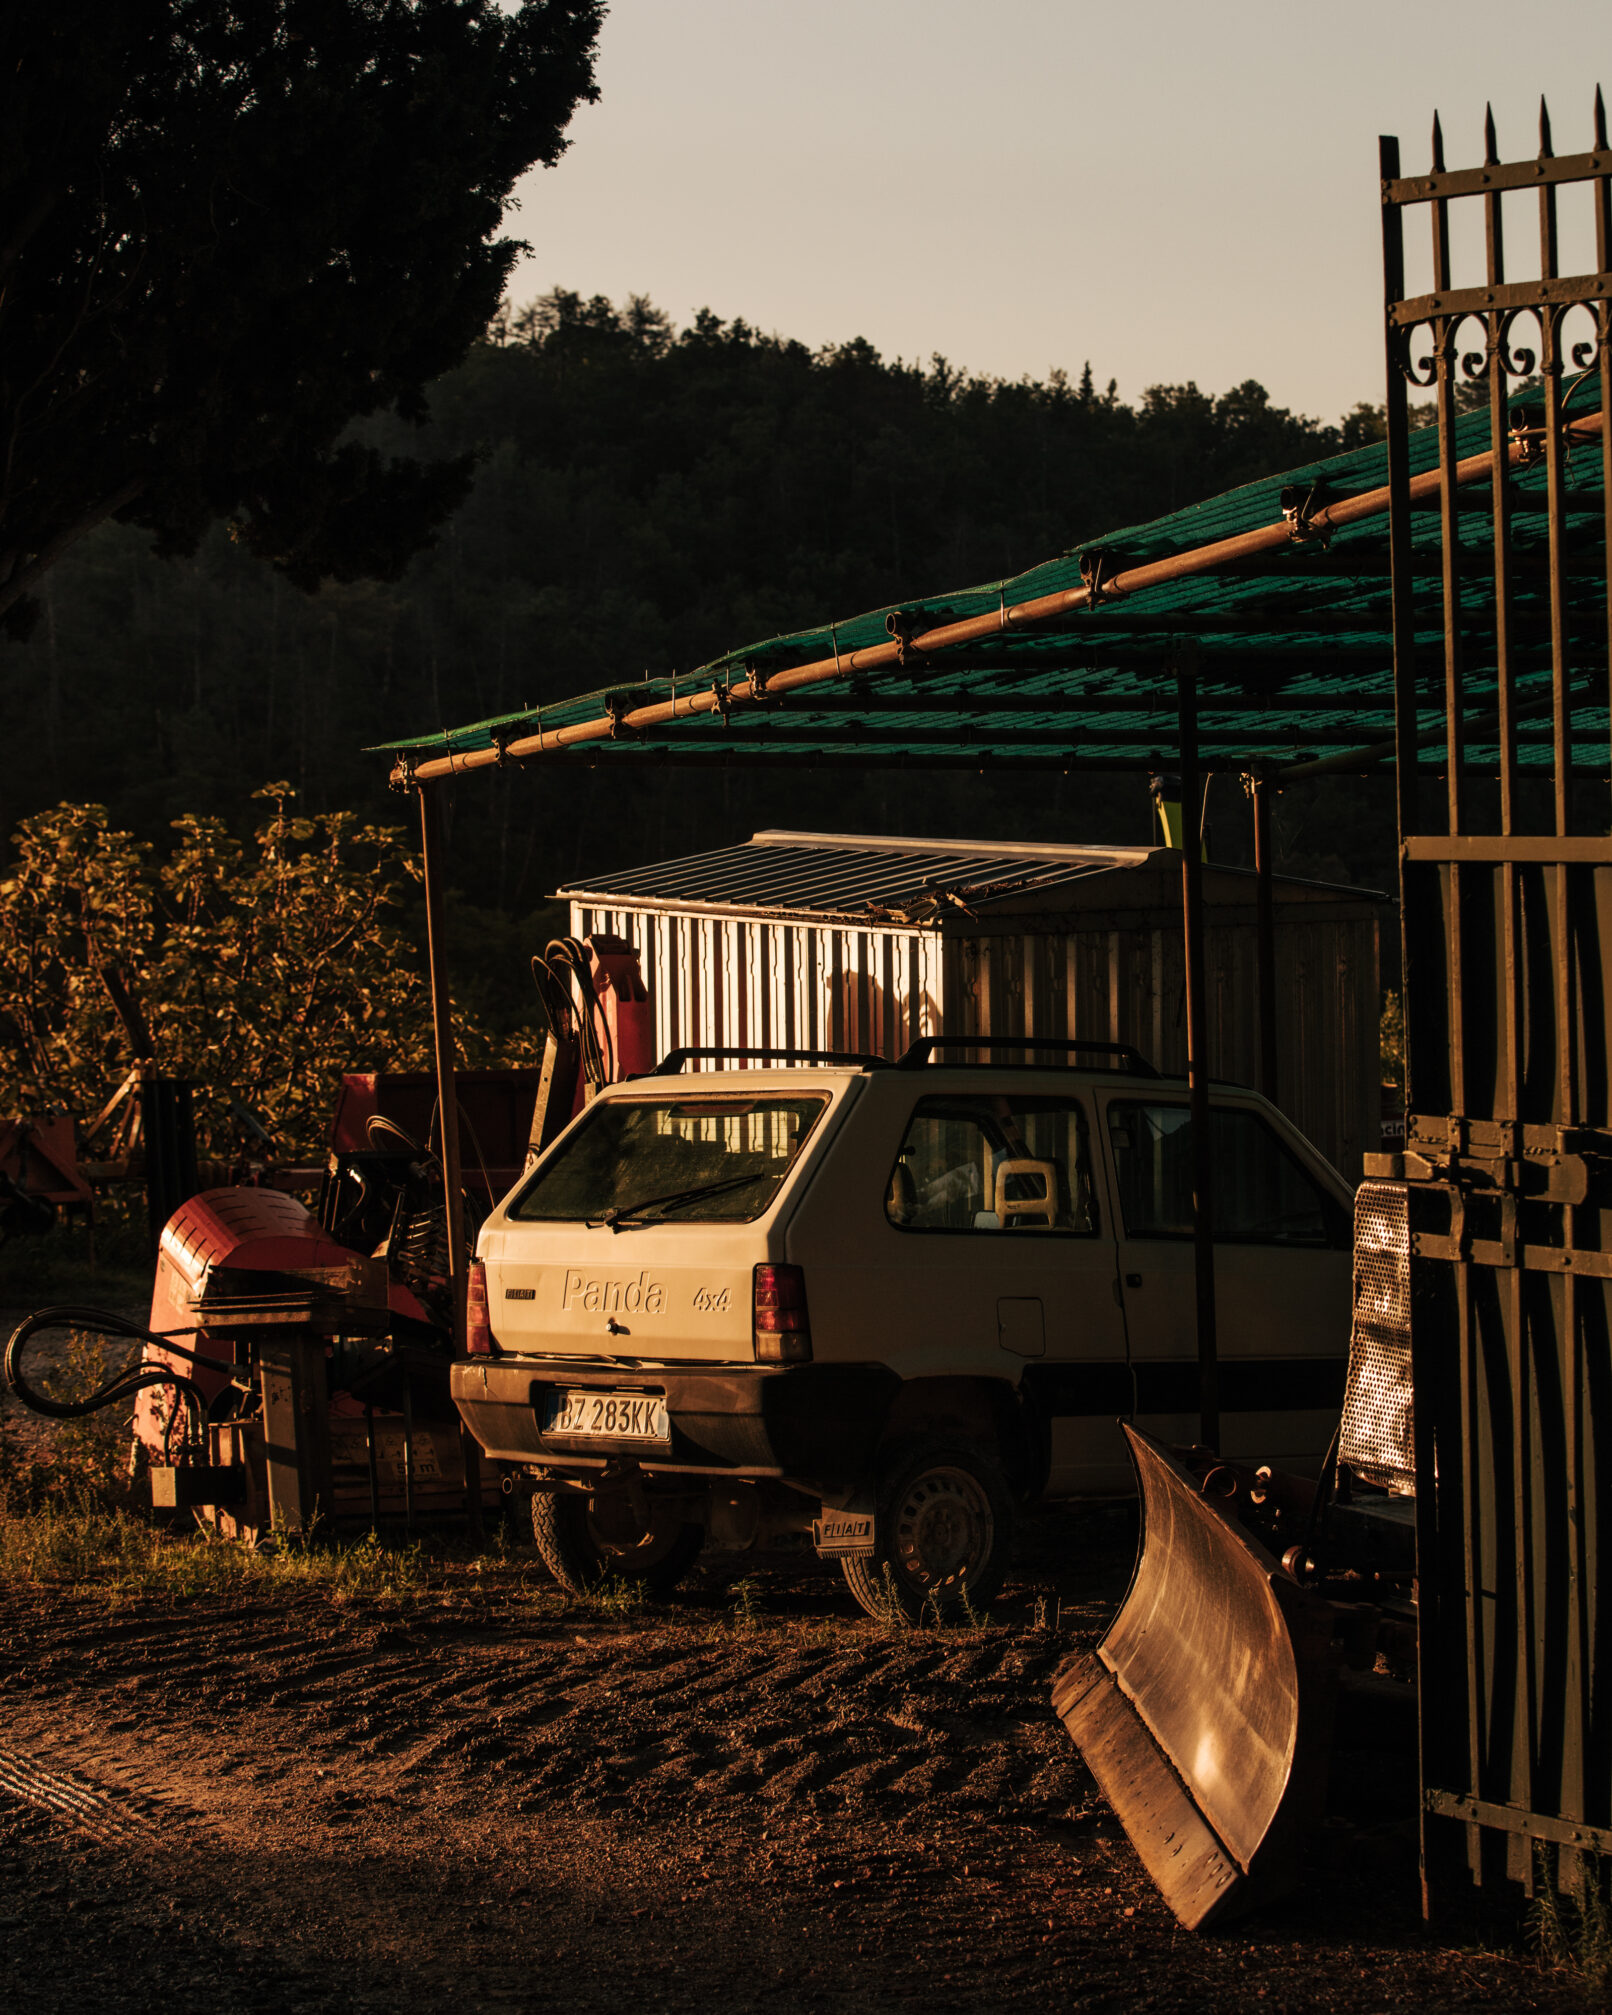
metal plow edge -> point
(1205, 1714)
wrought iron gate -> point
(1501, 682)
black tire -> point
(580, 1556)
(943, 1534)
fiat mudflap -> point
(1205, 1714)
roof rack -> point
(672, 1063)
(1128, 1059)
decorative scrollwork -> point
(1474, 364)
(1518, 362)
(1585, 355)
(1422, 372)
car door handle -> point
(1133, 1280)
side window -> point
(1261, 1196)
(979, 1163)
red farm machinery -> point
(293, 1368)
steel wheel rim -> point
(943, 1530)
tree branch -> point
(42, 562)
(12, 251)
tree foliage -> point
(228, 231)
(266, 968)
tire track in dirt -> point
(110, 1814)
(680, 1809)
(654, 1729)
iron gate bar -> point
(1449, 522)
(1499, 493)
(1259, 790)
(1203, 1248)
(1509, 1819)
(1496, 176)
(1499, 848)
(1509, 1106)
(1525, 294)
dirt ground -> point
(494, 1800)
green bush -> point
(265, 968)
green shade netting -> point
(1295, 650)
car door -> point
(1282, 1294)
(996, 1195)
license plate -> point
(622, 1416)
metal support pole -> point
(1400, 557)
(448, 1112)
(1264, 933)
(374, 1471)
(442, 1028)
(408, 1452)
(1203, 1249)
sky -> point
(1171, 190)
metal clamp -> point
(1300, 503)
(723, 696)
(904, 625)
(618, 706)
(1098, 568)
(1527, 434)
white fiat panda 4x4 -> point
(877, 1308)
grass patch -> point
(124, 1556)
(81, 1465)
(744, 1600)
(1574, 1932)
(614, 1595)
(57, 1265)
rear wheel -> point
(943, 1534)
(581, 1550)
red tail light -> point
(783, 1331)
(478, 1323)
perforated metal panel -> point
(1375, 1441)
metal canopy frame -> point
(1284, 588)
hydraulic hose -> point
(564, 965)
(123, 1385)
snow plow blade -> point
(1205, 1714)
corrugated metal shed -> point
(848, 876)
(841, 941)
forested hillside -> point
(647, 497)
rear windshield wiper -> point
(623, 1215)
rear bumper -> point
(815, 1425)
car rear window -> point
(686, 1160)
